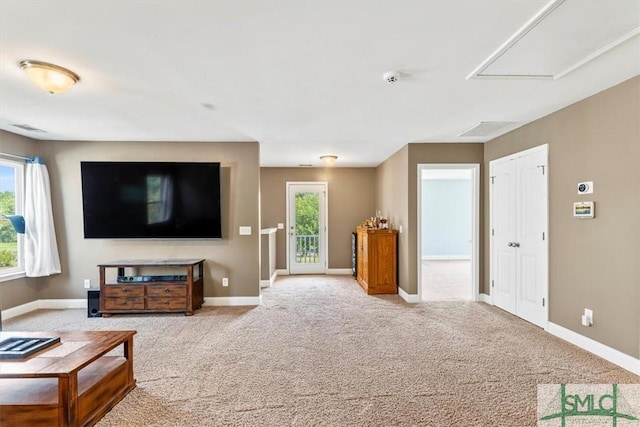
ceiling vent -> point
(27, 128)
(487, 129)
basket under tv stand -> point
(132, 292)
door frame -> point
(540, 148)
(474, 168)
(325, 237)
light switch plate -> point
(245, 230)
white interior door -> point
(503, 258)
(307, 227)
(530, 237)
(519, 218)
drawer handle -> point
(123, 303)
(125, 290)
(166, 302)
(167, 290)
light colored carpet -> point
(446, 280)
(318, 351)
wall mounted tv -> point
(151, 200)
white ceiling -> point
(303, 78)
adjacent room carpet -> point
(319, 352)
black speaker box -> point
(93, 303)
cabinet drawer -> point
(172, 303)
(167, 290)
(123, 291)
(124, 303)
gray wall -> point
(351, 199)
(234, 256)
(593, 264)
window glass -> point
(11, 203)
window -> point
(11, 203)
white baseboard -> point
(61, 304)
(611, 354)
(269, 283)
(340, 271)
(410, 298)
(43, 304)
(485, 299)
(229, 301)
(282, 272)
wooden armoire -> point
(377, 260)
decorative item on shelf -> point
(377, 222)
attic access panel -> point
(568, 35)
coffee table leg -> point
(128, 354)
(68, 399)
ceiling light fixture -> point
(328, 159)
(49, 77)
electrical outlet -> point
(87, 283)
(225, 281)
(587, 317)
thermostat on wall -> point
(584, 210)
(585, 187)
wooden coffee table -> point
(73, 383)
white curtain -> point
(41, 249)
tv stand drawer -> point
(124, 303)
(157, 303)
(123, 291)
(167, 290)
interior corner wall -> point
(392, 199)
(595, 263)
(351, 199)
(233, 256)
(19, 291)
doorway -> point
(307, 227)
(448, 232)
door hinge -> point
(493, 231)
(492, 178)
(543, 235)
(543, 302)
(493, 285)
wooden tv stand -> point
(73, 383)
(181, 292)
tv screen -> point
(151, 200)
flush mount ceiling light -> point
(328, 159)
(49, 77)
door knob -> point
(516, 245)
(510, 244)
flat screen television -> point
(151, 200)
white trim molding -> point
(231, 301)
(61, 304)
(410, 298)
(485, 298)
(43, 304)
(282, 272)
(270, 282)
(611, 354)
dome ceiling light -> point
(52, 78)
